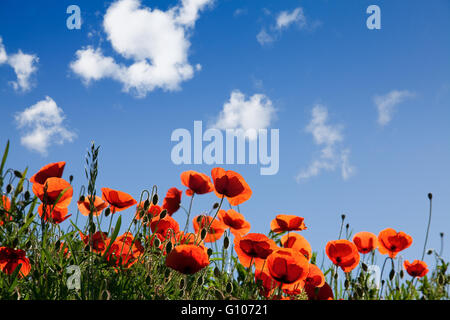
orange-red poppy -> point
(343, 253)
(117, 200)
(98, 243)
(235, 221)
(53, 214)
(153, 211)
(135, 244)
(417, 268)
(284, 222)
(172, 200)
(253, 248)
(85, 206)
(297, 242)
(287, 266)
(55, 187)
(65, 250)
(163, 226)
(315, 278)
(365, 241)
(231, 185)
(187, 258)
(11, 258)
(197, 182)
(51, 170)
(121, 254)
(323, 293)
(392, 242)
(216, 227)
(6, 203)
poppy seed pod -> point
(155, 199)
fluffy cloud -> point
(283, 21)
(157, 43)
(330, 138)
(24, 66)
(386, 104)
(44, 121)
(257, 112)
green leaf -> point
(5, 155)
(15, 277)
(114, 235)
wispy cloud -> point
(156, 41)
(45, 123)
(387, 104)
(330, 138)
(283, 21)
(256, 112)
(24, 66)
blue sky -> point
(323, 58)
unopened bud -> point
(163, 214)
(155, 199)
(430, 196)
(169, 247)
(216, 205)
(226, 242)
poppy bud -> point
(18, 174)
(169, 247)
(343, 217)
(430, 196)
(57, 244)
(28, 244)
(155, 199)
(87, 248)
(346, 284)
(216, 272)
(441, 234)
(107, 211)
(70, 179)
(27, 195)
(210, 252)
(226, 242)
(199, 219)
(15, 242)
(430, 252)
(163, 214)
(364, 266)
(92, 228)
(347, 226)
(382, 282)
(167, 274)
(229, 288)
(402, 274)
(336, 275)
(182, 283)
(146, 205)
(8, 188)
(441, 279)
(156, 242)
(147, 280)
(81, 199)
(200, 281)
(391, 274)
(203, 234)
(216, 205)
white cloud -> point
(285, 18)
(45, 123)
(386, 104)
(283, 21)
(239, 12)
(157, 43)
(257, 112)
(24, 66)
(330, 138)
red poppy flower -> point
(216, 229)
(197, 182)
(343, 253)
(185, 238)
(98, 243)
(172, 200)
(85, 206)
(287, 266)
(417, 268)
(268, 284)
(187, 258)
(163, 226)
(392, 242)
(121, 254)
(153, 211)
(315, 278)
(53, 214)
(136, 246)
(52, 170)
(117, 200)
(235, 221)
(11, 258)
(65, 250)
(231, 185)
(6, 205)
(365, 241)
(254, 248)
(284, 222)
(297, 242)
(55, 186)
(323, 293)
